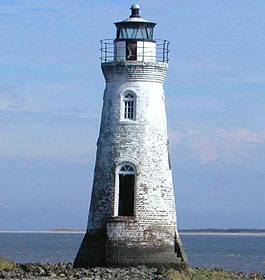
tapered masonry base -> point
(100, 249)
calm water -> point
(237, 252)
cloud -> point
(66, 145)
(208, 144)
(194, 146)
(241, 135)
(9, 98)
(48, 120)
(7, 7)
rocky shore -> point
(66, 271)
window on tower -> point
(129, 106)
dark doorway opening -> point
(131, 50)
(126, 195)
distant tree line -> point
(231, 230)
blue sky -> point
(51, 89)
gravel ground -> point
(63, 271)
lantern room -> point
(134, 38)
(134, 41)
(135, 28)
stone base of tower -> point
(92, 251)
(152, 257)
(130, 247)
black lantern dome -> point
(135, 27)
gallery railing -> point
(111, 53)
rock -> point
(41, 271)
(63, 271)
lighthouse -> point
(132, 216)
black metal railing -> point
(111, 53)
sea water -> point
(237, 252)
(234, 252)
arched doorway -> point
(126, 189)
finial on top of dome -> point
(135, 11)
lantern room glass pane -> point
(150, 33)
(143, 33)
(135, 32)
(131, 32)
(123, 33)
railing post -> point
(167, 50)
(143, 52)
(106, 53)
(101, 50)
(164, 45)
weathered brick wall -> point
(144, 143)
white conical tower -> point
(132, 218)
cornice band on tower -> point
(135, 71)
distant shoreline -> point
(42, 231)
(221, 233)
(195, 232)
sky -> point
(51, 90)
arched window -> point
(125, 190)
(129, 106)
